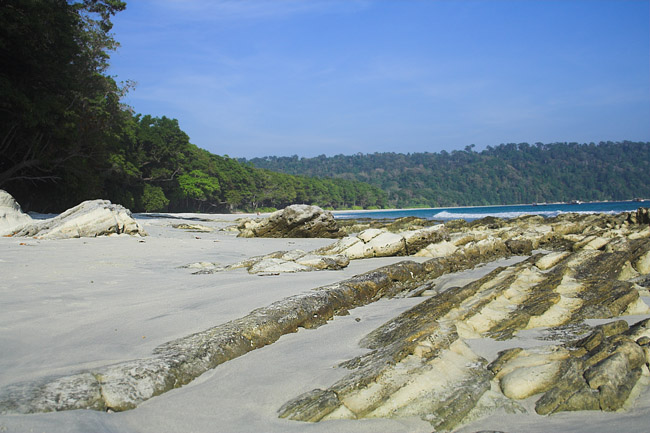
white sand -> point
(69, 305)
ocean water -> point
(510, 211)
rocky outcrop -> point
(11, 215)
(353, 226)
(124, 385)
(89, 219)
(598, 372)
(641, 216)
(296, 221)
(367, 244)
(419, 364)
(277, 263)
(383, 243)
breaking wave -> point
(446, 215)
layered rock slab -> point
(125, 385)
(88, 219)
(295, 221)
(406, 372)
(278, 262)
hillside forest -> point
(505, 174)
(66, 137)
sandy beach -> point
(74, 304)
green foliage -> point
(198, 186)
(60, 113)
(505, 174)
(153, 198)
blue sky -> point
(310, 77)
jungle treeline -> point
(66, 137)
(505, 174)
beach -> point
(70, 305)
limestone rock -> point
(530, 372)
(295, 221)
(89, 219)
(278, 262)
(11, 215)
(312, 406)
(641, 216)
(381, 243)
(602, 375)
(440, 249)
(333, 262)
(272, 265)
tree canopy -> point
(505, 174)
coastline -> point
(505, 211)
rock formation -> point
(353, 225)
(421, 363)
(124, 385)
(296, 221)
(382, 243)
(11, 215)
(277, 263)
(88, 219)
(367, 244)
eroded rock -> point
(277, 263)
(382, 243)
(11, 215)
(295, 221)
(567, 287)
(418, 363)
(89, 219)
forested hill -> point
(505, 174)
(65, 136)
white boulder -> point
(89, 219)
(11, 215)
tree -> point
(60, 112)
(198, 187)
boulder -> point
(276, 266)
(89, 219)
(11, 215)
(295, 221)
(641, 216)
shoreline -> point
(644, 201)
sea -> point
(509, 211)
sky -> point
(252, 78)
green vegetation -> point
(505, 174)
(65, 137)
